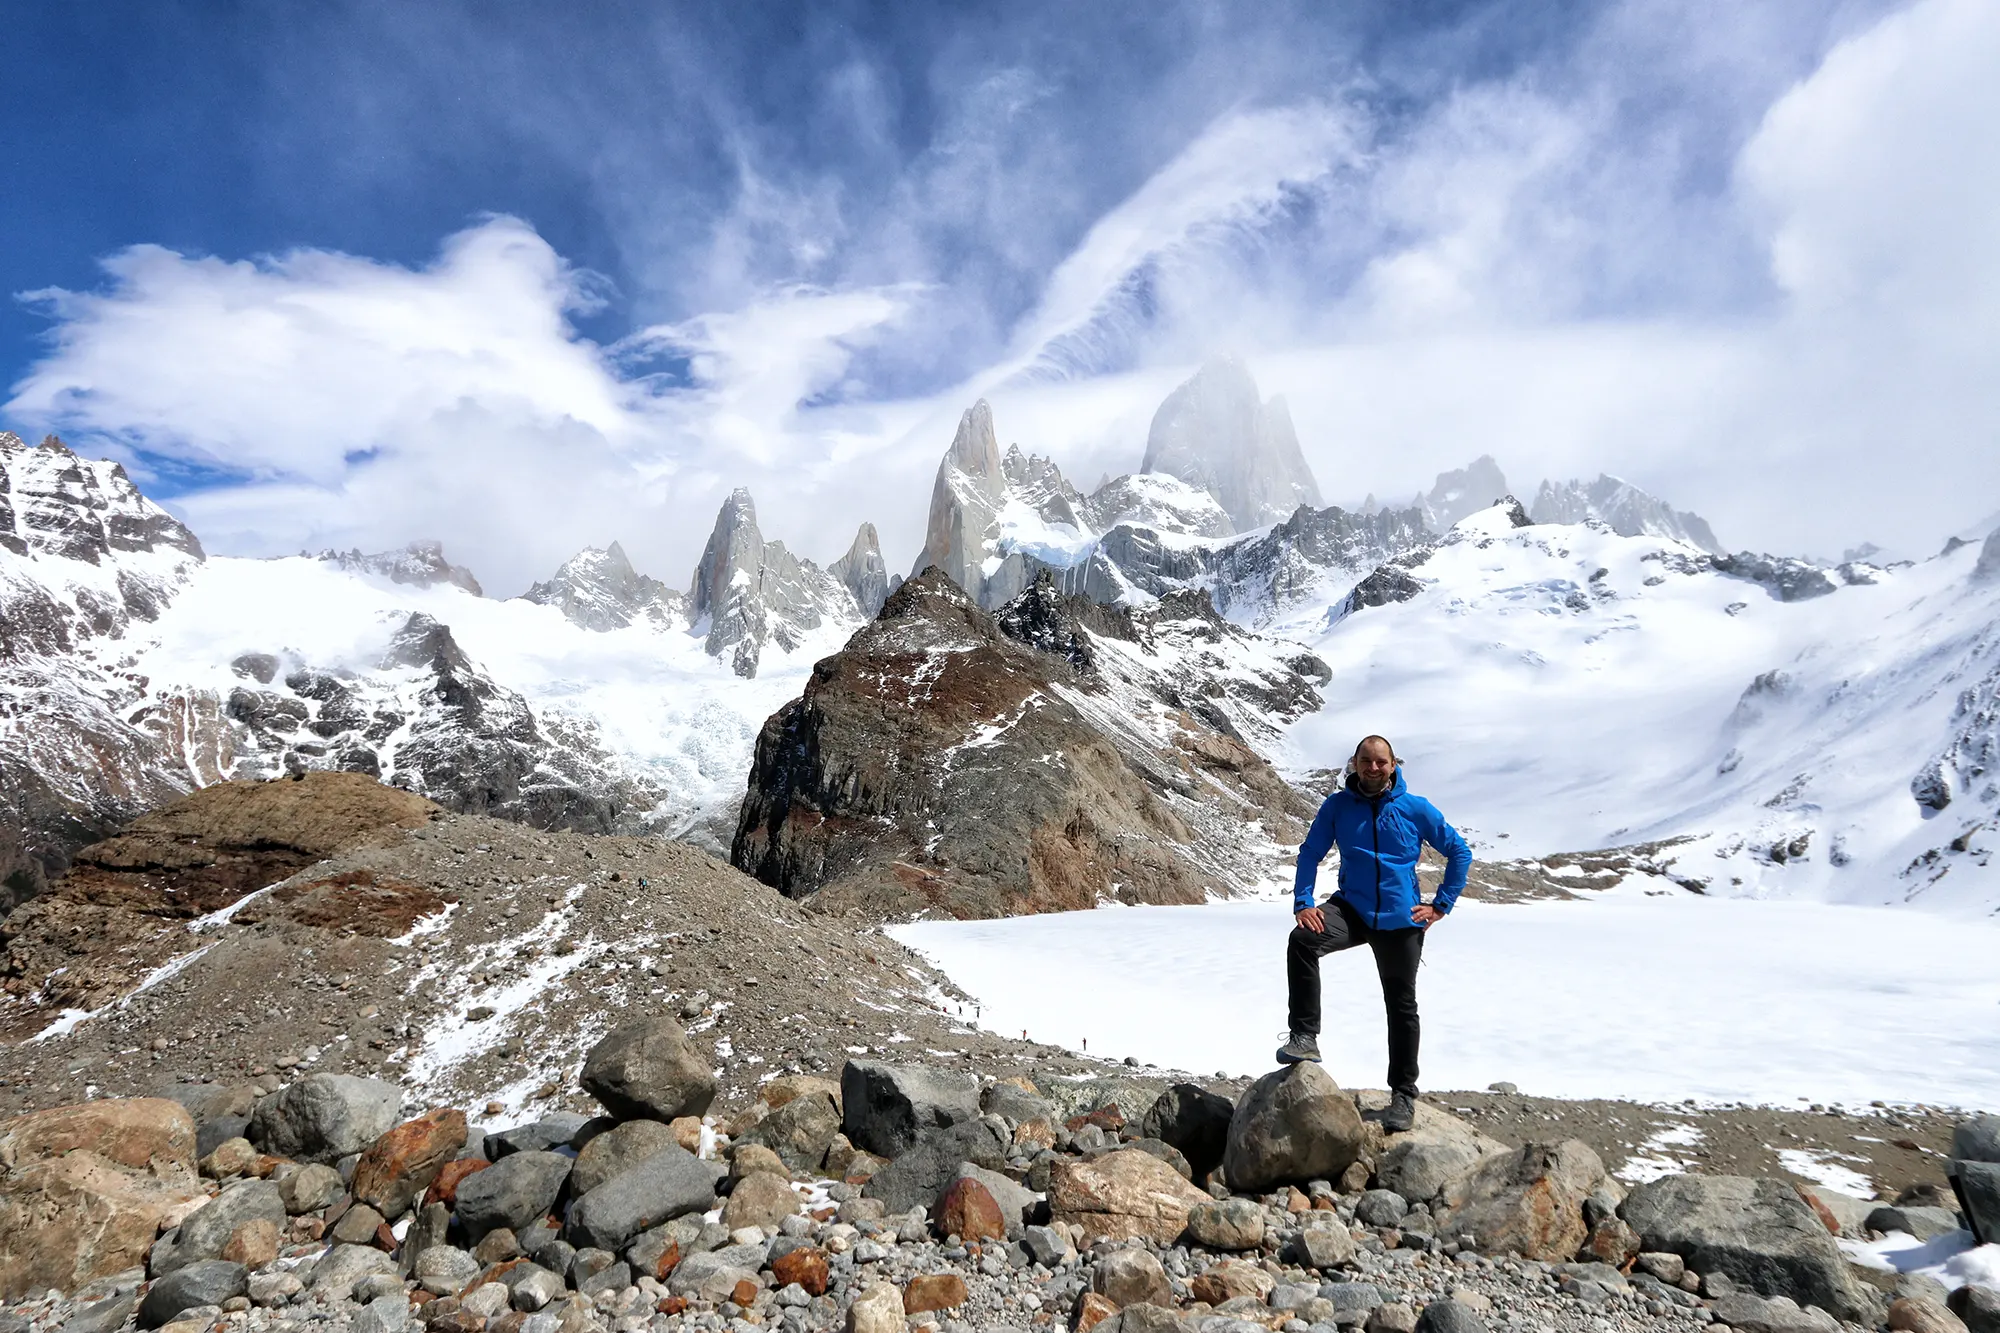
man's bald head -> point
(1374, 765)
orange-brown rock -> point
(687, 1132)
(253, 1244)
(1091, 1310)
(933, 1291)
(669, 1260)
(1229, 1279)
(807, 1267)
(969, 1211)
(672, 1305)
(744, 1293)
(397, 1168)
(1107, 1118)
(1820, 1210)
(83, 1189)
(444, 1188)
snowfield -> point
(1646, 993)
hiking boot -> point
(1402, 1113)
(1299, 1047)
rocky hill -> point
(1048, 757)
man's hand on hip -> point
(1310, 919)
(1425, 915)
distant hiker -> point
(1379, 826)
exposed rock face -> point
(1123, 1194)
(862, 572)
(1216, 433)
(747, 590)
(1462, 493)
(420, 564)
(1257, 578)
(965, 504)
(1159, 501)
(1988, 565)
(1788, 580)
(916, 770)
(1629, 511)
(600, 590)
(124, 905)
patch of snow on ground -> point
(1816, 1164)
(1951, 1258)
(1652, 1159)
(1839, 1012)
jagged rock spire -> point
(862, 572)
(1215, 432)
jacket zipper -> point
(1375, 830)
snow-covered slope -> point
(1561, 686)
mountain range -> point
(1134, 693)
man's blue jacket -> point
(1379, 841)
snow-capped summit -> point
(1159, 501)
(1624, 508)
(1461, 493)
(1216, 433)
(599, 590)
(747, 590)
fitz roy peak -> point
(1215, 432)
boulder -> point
(1450, 1316)
(84, 1189)
(667, 1185)
(1292, 1125)
(1528, 1202)
(886, 1109)
(1978, 1186)
(210, 1282)
(1323, 1245)
(344, 1266)
(1232, 1279)
(920, 1172)
(310, 1188)
(787, 1086)
(1123, 1194)
(1978, 1307)
(799, 1129)
(1131, 1277)
(204, 1232)
(933, 1291)
(1017, 1203)
(1756, 1232)
(714, 1275)
(760, 1199)
(1380, 1208)
(805, 1266)
(444, 1189)
(1748, 1313)
(617, 1150)
(1912, 1220)
(1226, 1224)
(1923, 1314)
(648, 1068)
(1195, 1121)
(431, 1226)
(325, 1117)
(1849, 1214)
(444, 1270)
(558, 1129)
(511, 1193)
(1977, 1139)
(398, 1167)
(878, 1309)
(1421, 1169)
(968, 1211)
(1016, 1100)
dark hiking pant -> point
(1397, 953)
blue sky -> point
(526, 277)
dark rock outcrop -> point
(419, 565)
(1787, 579)
(937, 763)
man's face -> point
(1374, 766)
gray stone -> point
(1016, 1103)
(1757, 1232)
(377, 1285)
(613, 1278)
(384, 1314)
(1419, 1169)
(1923, 1223)
(1144, 1317)
(1978, 1306)
(1227, 1224)
(1195, 1121)
(551, 1131)
(616, 1151)
(325, 1117)
(1449, 1317)
(1529, 1201)
(535, 1288)
(516, 1190)
(1046, 1245)
(648, 1068)
(212, 1134)
(206, 1282)
(711, 1276)
(428, 1227)
(1977, 1139)
(105, 1316)
(1381, 1208)
(310, 1188)
(1755, 1314)
(1292, 1125)
(918, 1174)
(1352, 1295)
(800, 1131)
(343, 1266)
(666, 1185)
(206, 1230)
(356, 1226)
(1324, 1247)
(886, 1109)
(488, 1300)
(443, 1270)
(1978, 1187)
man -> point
(1379, 826)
